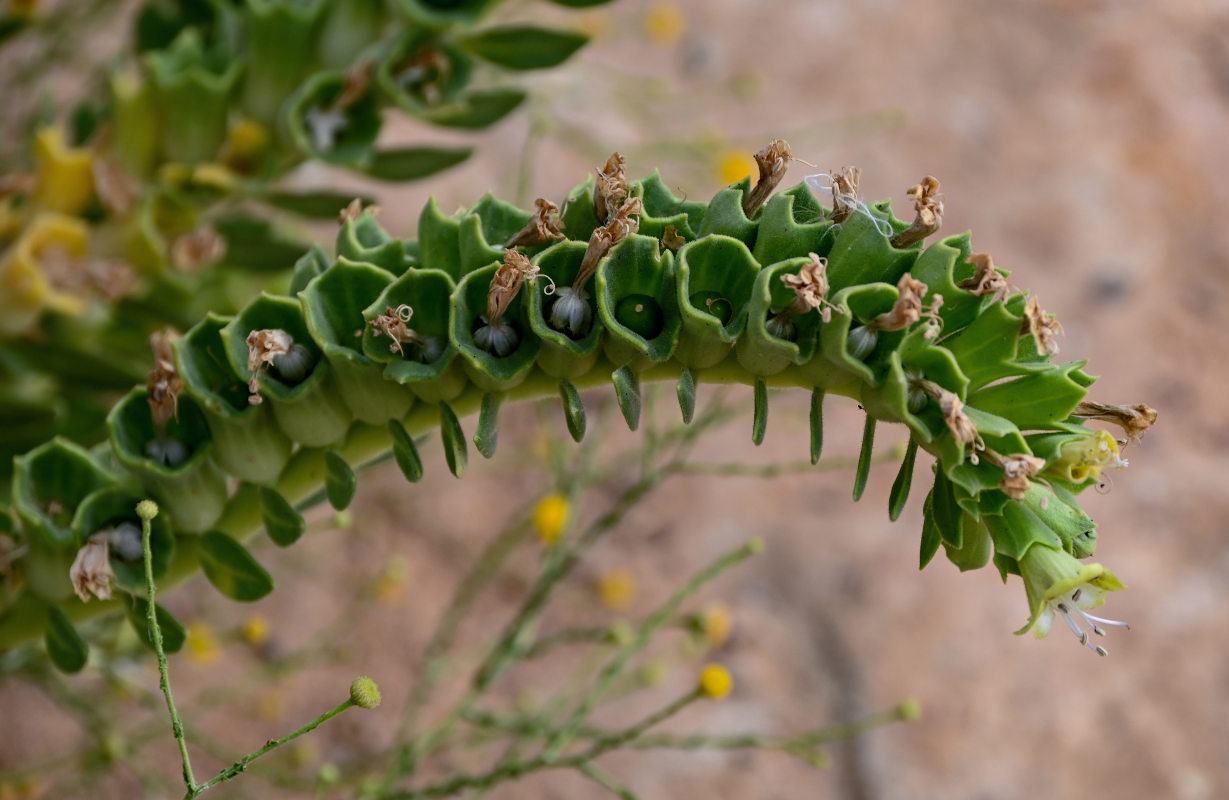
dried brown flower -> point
(108, 277)
(845, 192)
(198, 248)
(116, 189)
(1134, 419)
(91, 571)
(986, 279)
(358, 78)
(610, 187)
(506, 282)
(1017, 469)
(163, 382)
(772, 161)
(354, 209)
(1044, 327)
(545, 226)
(621, 226)
(393, 323)
(671, 239)
(264, 346)
(909, 308)
(962, 428)
(928, 204)
(810, 287)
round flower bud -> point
(364, 693)
(147, 510)
(715, 682)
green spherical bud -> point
(147, 510)
(716, 305)
(642, 314)
(364, 693)
(328, 774)
(909, 710)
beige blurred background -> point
(1084, 144)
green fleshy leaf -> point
(439, 240)
(257, 245)
(864, 458)
(404, 452)
(486, 437)
(283, 524)
(523, 47)
(573, 410)
(627, 394)
(759, 419)
(477, 109)
(174, 635)
(860, 254)
(1017, 529)
(311, 264)
(931, 537)
(363, 239)
(1032, 401)
(947, 514)
(975, 549)
(817, 424)
(231, 568)
(790, 227)
(453, 437)
(904, 479)
(412, 163)
(687, 395)
(984, 348)
(68, 651)
(339, 481)
(725, 214)
(317, 204)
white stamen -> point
(324, 125)
(829, 191)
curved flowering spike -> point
(833, 307)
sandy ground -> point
(1084, 144)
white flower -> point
(91, 571)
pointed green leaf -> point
(687, 395)
(283, 524)
(817, 424)
(759, 421)
(1017, 529)
(986, 345)
(455, 451)
(948, 515)
(864, 458)
(931, 538)
(487, 435)
(174, 635)
(1032, 401)
(627, 393)
(573, 410)
(231, 568)
(404, 451)
(319, 204)
(478, 109)
(68, 651)
(339, 480)
(412, 163)
(904, 479)
(522, 47)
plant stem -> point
(242, 764)
(164, 680)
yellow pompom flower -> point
(734, 165)
(202, 643)
(715, 682)
(65, 174)
(617, 588)
(664, 23)
(717, 623)
(255, 631)
(550, 516)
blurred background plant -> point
(167, 188)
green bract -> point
(388, 348)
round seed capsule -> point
(716, 305)
(641, 314)
(295, 364)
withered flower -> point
(610, 187)
(91, 571)
(263, 347)
(928, 204)
(545, 226)
(810, 287)
(1043, 327)
(116, 189)
(163, 382)
(909, 308)
(354, 209)
(1017, 469)
(506, 283)
(571, 311)
(962, 428)
(1134, 419)
(198, 248)
(671, 239)
(393, 324)
(772, 161)
(986, 279)
(845, 193)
